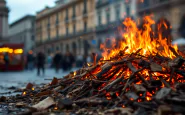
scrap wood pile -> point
(126, 82)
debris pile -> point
(132, 78)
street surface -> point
(20, 79)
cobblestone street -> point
(20, 79)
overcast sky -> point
(20, 8)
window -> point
(48, 34)
(117, 11)
(85, 6)
(108, 17)
(99, 18)
(74, 29)
(146, 3)
(66, 14)
(32, 38)
(85, 26)
(74, 7)
(40, 32)
(57, 32)
(48, 22)
(67, 30)
(128, 10)
(57, 18)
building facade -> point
(3, 20)
(109, 17)
(169, 10)
(66, 27)
(23, 31)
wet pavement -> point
(20, 79)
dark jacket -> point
(6, 58)
(57, 58)
(30, 58)
(40, 59)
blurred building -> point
(169, 10)
(3, 21)
(110, 15)
(69, 26)
(23, 31)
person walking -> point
(6, 60)
(30, 60)
(40, 63)
(57, 61)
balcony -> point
(108, 26)
(102, 3)
(69, 35)
(152, 5)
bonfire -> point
(139, 75)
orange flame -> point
(24, 93)
(139, 100)
(135, 39)
(148, 98)
(55, 108)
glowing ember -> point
(24, 93)
(148, 94)
(74, 73)
(55, 108)
(148, 98)
(123, 106)
(117, 94)
(131, 99)
(108, 98)
(139, 100)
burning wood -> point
(142, 76)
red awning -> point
(13, 46)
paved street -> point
(20, 79)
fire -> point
(148, 94)
(24, 93)
(108, 96)
(131, 99)
(117, 94)
(135, 39)
(139, 100)
(74, 73)
(33, 88)
(148, 98)
(55, 108)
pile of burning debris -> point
(140, 76)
